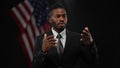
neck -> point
(59, 30)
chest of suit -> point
(71, 50)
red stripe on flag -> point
(26, 7)
(16, 19)
(32, 28)
(46, 27)
(29, 40)
(25, 50)
(28, 28)
(22, 14)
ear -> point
(50, 20)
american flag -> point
(31, 18)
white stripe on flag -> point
(30, 33)
(29, 6)
(19, 17)
(24, 11)
(27, 45)
(34, 26)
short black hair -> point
(56, 5)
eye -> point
(63, 15)
(57, 16)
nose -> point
(61, 19)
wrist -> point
(44, 48)
(43, 52)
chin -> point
(61, 28)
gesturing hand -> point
(48, 42)
(86, 37)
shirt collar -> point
(63, 33)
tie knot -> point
(59, 36)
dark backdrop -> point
(101, 16)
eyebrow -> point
(61, 14)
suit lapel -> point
(68, 42)
(49, 33)
(53, 51)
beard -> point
(59, 26)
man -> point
(75, 51)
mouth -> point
(61, 23)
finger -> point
(87, 33)
(52, 40)
(84, 35)
(86, 30)
(50, 37)
(51, 44)
(81, 34)
(84, 40)
(81, 39)
(45, 36)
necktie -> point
(59, 45)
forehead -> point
(59, 11)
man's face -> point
(58, 19)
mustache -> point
(61, 23)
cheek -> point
(66, 21)
(54, 22)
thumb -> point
(86, 29)
(45, 36)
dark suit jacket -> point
(76, 55)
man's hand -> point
(86, 37)
(48, 42)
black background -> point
(101, 16)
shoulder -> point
(39, 37)
(73, 35)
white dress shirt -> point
(63, 34)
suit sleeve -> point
(89, 57)
(92, 55)
(38, 56)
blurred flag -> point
(31, 18)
